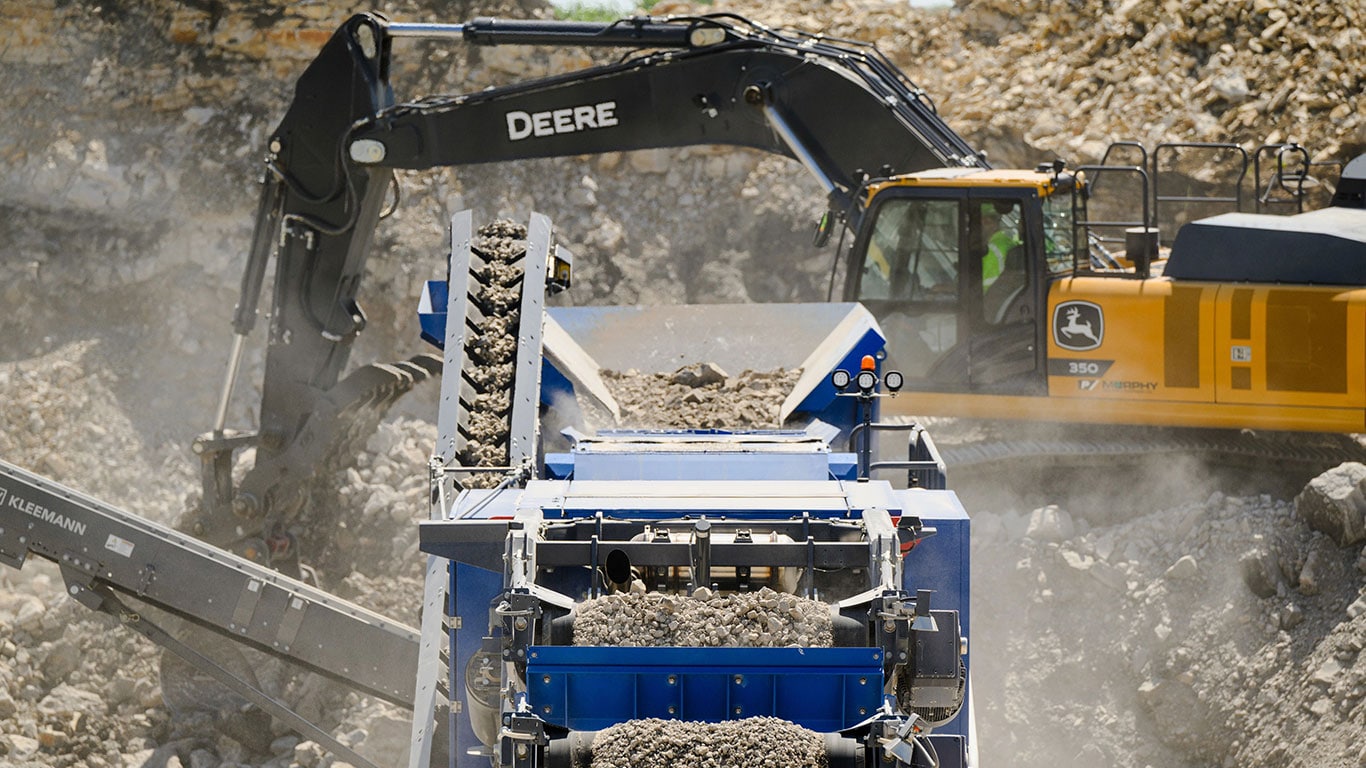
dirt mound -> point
(1178, 661)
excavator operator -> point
(1005, 235)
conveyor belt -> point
(235, 597)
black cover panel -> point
(1325, 247)
(1351, 192)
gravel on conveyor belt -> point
(763, 619)
(755, 742)
(491, 349)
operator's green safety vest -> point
(994, 262)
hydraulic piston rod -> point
(641, 32)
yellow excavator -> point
(1003, 298)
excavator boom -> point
(838, 107)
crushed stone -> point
(762, 619)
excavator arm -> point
(838, 107)
(316, 215)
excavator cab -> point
(954, 263)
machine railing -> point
(924, 468)
(1288, 187)
(1099, 242)
(1161, 201)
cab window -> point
(1057, 233)
(1005, 276)
(912, 253)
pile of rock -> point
(763, 619)
(1205, 621)
(1030, 80)
(761, 742)
(75, 688)
(1335, 503)
(700, 396)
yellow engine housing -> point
(1217, 355)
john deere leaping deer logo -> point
(1078, 325)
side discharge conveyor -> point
(120, 564)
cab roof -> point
(959, 178)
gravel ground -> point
(1156, 641)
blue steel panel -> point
(590, 688)
(678, 465)
(559, 466)
(943, 563)
(555, 387)
(704, 698)
(822, 400)
(431, 313)
(844, 466)
(473, 589)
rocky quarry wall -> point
(1223, 630)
